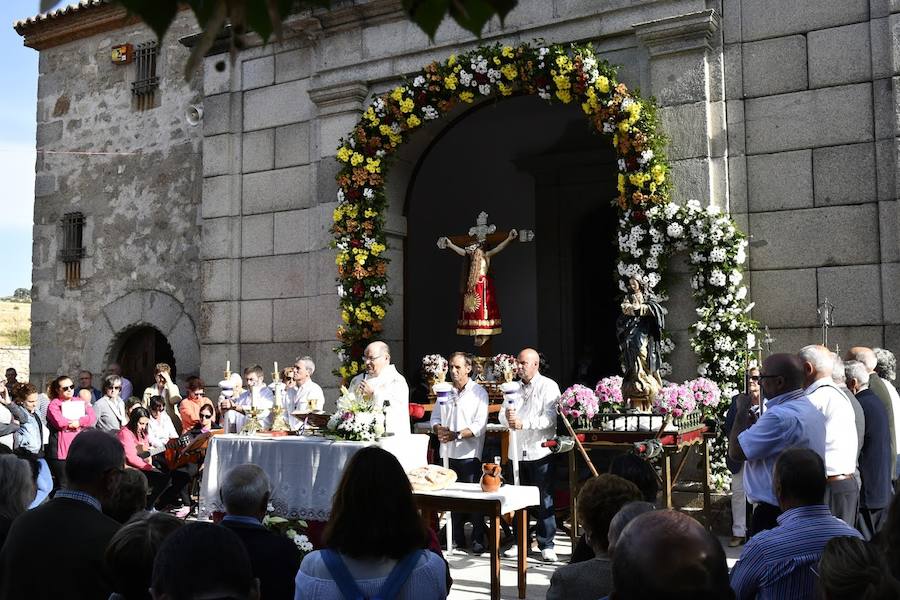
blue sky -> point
(18, 93)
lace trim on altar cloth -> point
(282, 509)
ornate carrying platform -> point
(686, 434)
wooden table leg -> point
(573, 503)
(521, 537)
(667, 478)
(504, 447)
(494, 549)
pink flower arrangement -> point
(504, 362)
(578, 402)
(609, 393)
(675, 399)
(706, 392)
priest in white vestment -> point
(306, 395)
(383, 382)
(256, 393)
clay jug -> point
(490, 477)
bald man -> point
(789, 421)
(667, 554)
(867, 357)
(533, 416)
(841, 440)
(384, 383)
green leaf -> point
(157, 14)
(473, 15)
(427, 14)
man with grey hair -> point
(273, 558)
(842, 492)
(886, 369)
(837, 376)
(384, 384)
(867, 357)
(875, 458)
(306, 395)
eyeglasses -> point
(754, 378)
(66, 388)
(369, 359)
(116, 387)
(768, 376)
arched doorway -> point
(551, 176)
(140, 350)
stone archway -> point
(143, 308)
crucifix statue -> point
(768, 340)
(825, 312)
(479, 315)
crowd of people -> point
(811, 444)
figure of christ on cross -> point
(479, 314)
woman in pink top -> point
(62, 428)
(136, 444)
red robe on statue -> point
(479, 313)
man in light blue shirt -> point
(789, 421)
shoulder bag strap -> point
(398, 576)
(341, 575)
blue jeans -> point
(540, 473)
(468, 470)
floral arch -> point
(650, 227)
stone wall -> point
(17, 358)
(135, 175)
(812, 127)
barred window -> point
(72, 248)
(146, 82)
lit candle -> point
(228, 366)
(276, 366)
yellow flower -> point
(658, 172)
(504, 89)
(343, 154)
(621, 183)
(373, 165)
(345, 316)
(564, 95)
(467, 97)
(634, 112)
(407, 105)
(591, 104)
(369, 213)
(379, 312)
(637, 179)
(337, 214)
(623, 127)
(562, 82)
(509, 71)
(451, 61)
(564, 63)
(450, 81)
(652, 187)
(602, 84)
(361, 256)
(377, 249)
(385, 130)
(615, 140)
(413, 121)
(344, 373)
(397, 94)
(351, 211)
(356, 158)
(341, 258)
(496, 61)
(507, 51)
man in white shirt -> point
(384, 383)
(842, 491)
(533, 417)
(257, 393)
(460, 427)
(306, 395)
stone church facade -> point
(216, 235)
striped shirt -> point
(779, 564)
(80, 496)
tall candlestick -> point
(276, 367)
(228, 366)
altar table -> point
(468, 498)
(304, 471)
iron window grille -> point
(146, 82)
(72, 250)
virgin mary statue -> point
(639, 330)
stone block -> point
(783, 298)
(765, 19)
(684, 125)
(815, 237)
(257, 72)
(217, 155)
(341, 49)
(332, 128)
(885, 168)
(49, 133)
(888, 233)
(290, 320)
(185, 346)
(324, 317)
(791, 340)
(731, 21)
(220, 237)
(780, 181)
(890, 288)
(734, 123)
(839, 55)
(737, 184)
(844, 174)
(734, 78)
(218, 322)
(880, 8)
(277, 105)
(293, 64)
(323, 268)
(690, 179)
(266, 355)
(678, 78)
(256, 321)
(217, 197)
(892, 338)
(216, 114)
(257, 233)
(292, 145)
(326, 183)
(292, 231)
(718, 182)
(281, 276)
(124, 311)
(761, 77)
(217, 276)
(258, 151)
(45, 185)
(857, 289)
(394, 270)
(682, 359)
(880, 38)
(682, 309)
(216, 75)
(823, 117)
(281, 189)
(885, 110)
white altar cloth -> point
(511, 497)
(304, 471)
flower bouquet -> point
(579, 404)
(675, 401)
(356, 418)
(505, 366)
(435, 366)
(706, 394)
(292, 529)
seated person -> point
(129, 498)
(189, 408)
(178, 496)
(137, 453)
(851, 568)
(160, 428)
(131, 552)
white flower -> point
(693, 205)
(465, 78)
(665, 369)
(674, 230)
(368, 193)
(379, 153)
(736, 277)
(645, 157)
(626, 103)
(652, 263)
(635, 251)
(545, 95)
(751, 340)
(670, 210)
(340, 195)
(608, 127)
(717, 278)
(419, 81)
(741, 293)
(542, 52)
(717, 255)
(430, 113)
(621, 163)
(485, 89)
(656, 249)
(653, 279)
(712, 209)
(740, 256)
(493, 75)
(702, 369)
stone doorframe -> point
(142, 308)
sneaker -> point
(511, 552)
(549, 555)
(478, 549)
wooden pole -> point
(581, 449)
